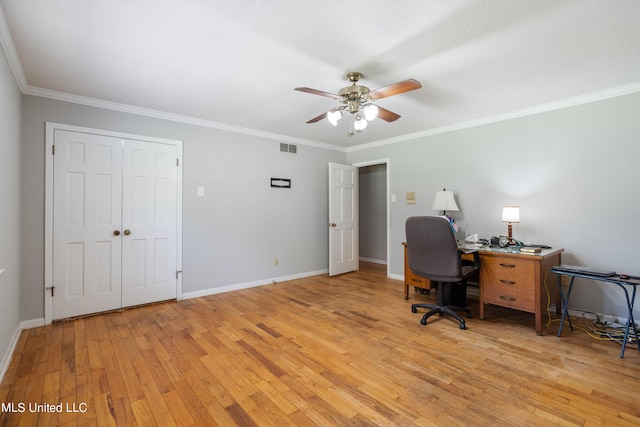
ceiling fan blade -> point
(386, 115)
(324, 115)
(318, 118)
(395, 89)
(317, 92)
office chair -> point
(433, 254)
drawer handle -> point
(507, 298)
(413, 279)
(507, 282)
(507, 265)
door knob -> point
(333, 224)
(116, 232)
(127, 232)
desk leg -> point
(565, 303)
(538, 320)
(630, 320)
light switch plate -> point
(411, 197)
(200, 191)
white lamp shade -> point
(370, 111)
(511, 214)
(360, 124)
(334, 116)
(444, 201)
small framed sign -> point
(281, 182)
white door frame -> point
(385, 161)
(48, 221)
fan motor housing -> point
(354, 93)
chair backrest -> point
(432, 249)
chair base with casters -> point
(445, 293)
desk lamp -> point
(510, 214)
(444, 202)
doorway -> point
(374, 209)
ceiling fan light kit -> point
(357, 101)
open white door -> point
(343, 219)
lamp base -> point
(510, 241)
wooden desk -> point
(508, 279)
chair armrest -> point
(475, 263)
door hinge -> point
(53, 150)
(52, 288)
(177, 162)
(178, 272)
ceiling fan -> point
(358, 99)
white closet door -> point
(149, 221)
(87, 219)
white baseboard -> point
(223, 289)
(6, 358)
(33, 323)
(375, 261)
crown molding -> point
(10, 52)
(147, 112)
(542, 108)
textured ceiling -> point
(234, 63)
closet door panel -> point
(150, 216)
(87, 183)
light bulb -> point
(360, 124)
(333, 117)
(370, 111)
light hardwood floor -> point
(317, 351)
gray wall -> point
(233, 234)
(573, 172)
(9, 209)
(373, 213)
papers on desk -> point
(469, 248)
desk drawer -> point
(417, 281)
(508, 282)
